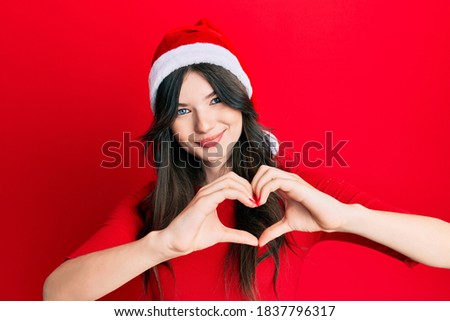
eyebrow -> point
(213, 93)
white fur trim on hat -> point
(273, 142)
(193, 54)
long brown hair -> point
(178, 173)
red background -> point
(74, 75)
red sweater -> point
(200, 275)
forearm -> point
(91, 276)
(421, 238)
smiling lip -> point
(211, 141)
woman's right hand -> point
(198, 226)
(91, 276)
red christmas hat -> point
(202, 43)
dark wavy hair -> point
(178, 173)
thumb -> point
(239, 236)
(273, 231)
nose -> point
(204, 122)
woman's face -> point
(204, 126)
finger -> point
(238, 236)
(265, 177)
(245, 183)
(277, 183)
(292, 188)
(232, 190)
(231, 193)
(261, 171)
(270, 174)
(230, 180)
(273, 231)
(206, 204)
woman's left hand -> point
(306, 208)
(423, 239)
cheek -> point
(235, 118)
(230, 115)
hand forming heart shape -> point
(306, 209)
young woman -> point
(227, 218)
